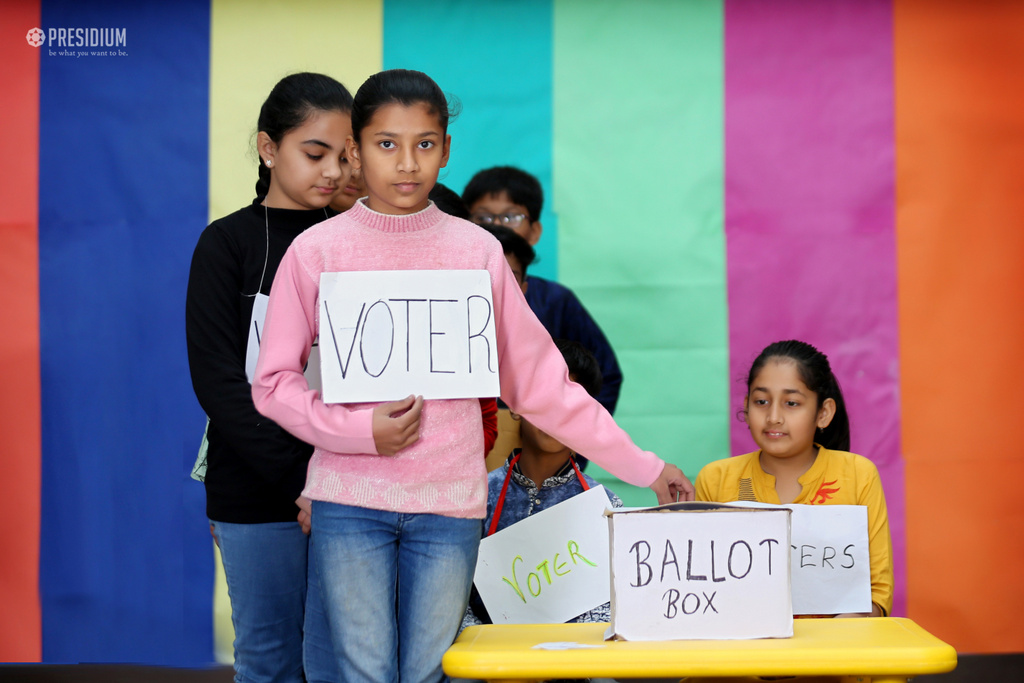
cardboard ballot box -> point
(700, 571)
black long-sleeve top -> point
(255, 469)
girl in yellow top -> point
(797, 417)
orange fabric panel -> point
(965, 551)
(20, 622)
(960, 242)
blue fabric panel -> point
(495, 57)
(126, 570)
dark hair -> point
(521, 187)
(583, 366)
(816, 373)
(398, 86)
(448, 201)
(292, 101)
(513, 243)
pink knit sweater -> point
(442, 473)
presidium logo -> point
(98, 40)
(36, 37)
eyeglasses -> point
(508, 220)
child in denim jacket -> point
(540, 475)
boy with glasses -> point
(509, 197)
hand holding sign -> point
(396, 425)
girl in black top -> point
(255, 470)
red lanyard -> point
(504, 490)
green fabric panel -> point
(638, 190)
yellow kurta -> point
(835, 478)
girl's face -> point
(309, 164)
(350, 192)
(400, 152)
(783, 413)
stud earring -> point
(269, 163)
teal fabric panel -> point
(495, 58)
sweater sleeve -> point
(280, 390)
(535, 383)
(212, 330)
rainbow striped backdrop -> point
(720, 175)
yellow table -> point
(886, 649)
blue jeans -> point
(395, 586)
(276, 607)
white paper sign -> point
(831, 558)
(549, 567)
(690, 571)
(387, 334)
(252, 350)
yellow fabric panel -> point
(253, 45)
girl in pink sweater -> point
(399, 489)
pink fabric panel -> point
(810, 223)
